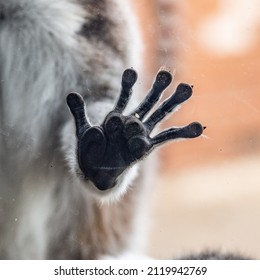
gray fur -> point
(45, 53)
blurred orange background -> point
(208, 191)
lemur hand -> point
(104, 152)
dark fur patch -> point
(100, 27)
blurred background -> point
(208, 191)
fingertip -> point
(129, 77)
(163, 78)
(74, 100)
(74, 97)
(196, 129)
(183, 92)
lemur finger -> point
(192, 130)
(77, 108)
(129, 78)
(162, 81)
(182, 93)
